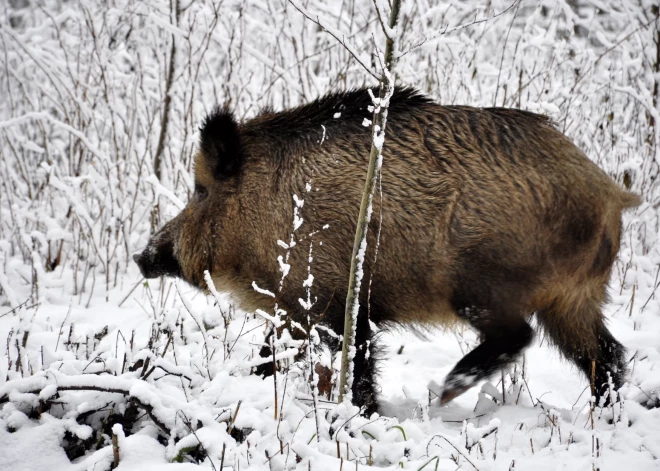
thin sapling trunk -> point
(375, 162)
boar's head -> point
(201, 236)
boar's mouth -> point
(158, 260)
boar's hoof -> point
(456, 384)
(452, 393)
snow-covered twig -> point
(339, 37)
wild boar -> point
(487, 216)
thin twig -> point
(18, 307)
(189, 425)
(340, 37)
(460, 453)
(459, 27)
(131, 291)
(233, 419)
(115, 450)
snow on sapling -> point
(381, 104)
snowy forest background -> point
(101, 102)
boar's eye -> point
(201, 192)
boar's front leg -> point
(265, 369)
(364, 366)
(364, 363)
(504, 336)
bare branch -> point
(91, 387)
(447, 30)
(338, 35)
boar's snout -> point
(158, 259)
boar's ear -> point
(220, 143)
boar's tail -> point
(629, 200)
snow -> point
(264, 291)
(33, 447)
(284, 267)
(92, 342)
(276, 322)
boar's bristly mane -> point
(220, 143)
(342, 111)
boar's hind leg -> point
(577, 329)
(503, 336)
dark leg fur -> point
(610, 359)
(580, 334)
(265, 369)
(364, 367)
(364, 363)
(503, 338)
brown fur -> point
(483, 210)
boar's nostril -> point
(155, 262)
(137, 258)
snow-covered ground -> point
(94, 355)
(544, 420)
